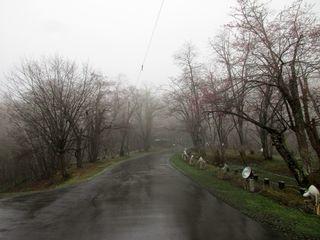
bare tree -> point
(286, 50)
(280, 60)
(46, 99)
(148, 105)
(185, 95)
(101, 114)
(129, 107)
(220, 125)
(234, 60)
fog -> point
(100, 126)
(111, 36)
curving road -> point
(144, 198)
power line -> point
(150, 41)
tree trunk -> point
(238, 122)
(263, 119)
(121, 152)
(78, 152)
(94, 143)
(314, 138)
(279, 143)
(299, 123)
(197, 141)
(122, 144)
(265, 144)
(147, 143)
(63, 168)
(303, 149)
(93, 150)
(311, 127)
(223, 153)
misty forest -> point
(241, 119)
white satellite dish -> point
(313, 192)
(246, 173)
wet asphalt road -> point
(141, 199)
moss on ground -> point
(291, 222)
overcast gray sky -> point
(111, 35)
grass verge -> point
(292, 223)
(88, 172)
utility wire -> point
(150, 41)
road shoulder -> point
(292, 223)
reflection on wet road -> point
(139, 199)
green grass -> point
(263, 173)
(276, 165)
(292, 222)
(275, 169)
